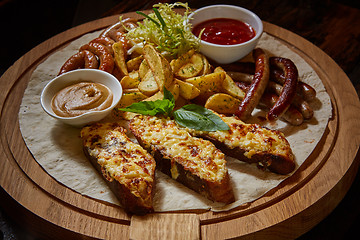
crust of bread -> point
(275, 163)
(138, 203)
(130, 203)
(218, 191)
(269, 148)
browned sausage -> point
(82, 59)
(106, 41)
(277, 75)
(292, 115)
(257, 86)
(303, 89)
(90, 60)
(298, 102)
(117, 30)
(241, 77)
(243, 86)
(308, 92)
(130, 23)
(289, 88)
(105, 57)
(76, 61)
(111, 31)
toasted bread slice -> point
(127, 168)
(194, 162)
(253, 144)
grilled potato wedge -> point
(119, 55)
(222, 103)
(187, 90)
(192, 68)
(159, 66)
(148, 85)
(209, 82)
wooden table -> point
(332, 32)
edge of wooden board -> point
(211, 224)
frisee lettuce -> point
(167, 30)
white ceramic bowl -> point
(73, 77)
(224, 54)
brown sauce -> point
(80, 98)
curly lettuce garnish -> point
(167, 30)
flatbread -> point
(58, 147)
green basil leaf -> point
(153, 108)
(164, 106)
(145, 107)
(168, 95)
(199, 118)
(149, 107)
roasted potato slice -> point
(192, 68)
(134, 63)
(128, 82)
(187, 90)
(148, 84)
(229, 86)
(131, 96)
(157, 96)
(159, 66)
(207, 66)
(119, 56)
(177, 63)
(209, 82)
(134, 75)
(222, 103)
(143, 69)
(174, 88)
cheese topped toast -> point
(128, 169)
(194, 162)
(253, 144)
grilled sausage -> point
(258, 85)
(82, 59)
(106, 41)
(105, 57)
(292, 115)
(307, 92)
(298, 102)
(289, 87)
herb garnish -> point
(199, 118)
(167, 30)
(191, 115)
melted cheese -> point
(119, 157)
(252, 138)
(196, 155)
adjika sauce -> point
(224, 31)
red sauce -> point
(224, 31)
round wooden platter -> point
(286, 212)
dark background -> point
(25, 24)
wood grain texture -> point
(286, 212)
(165, 226)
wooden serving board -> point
(286, 212)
